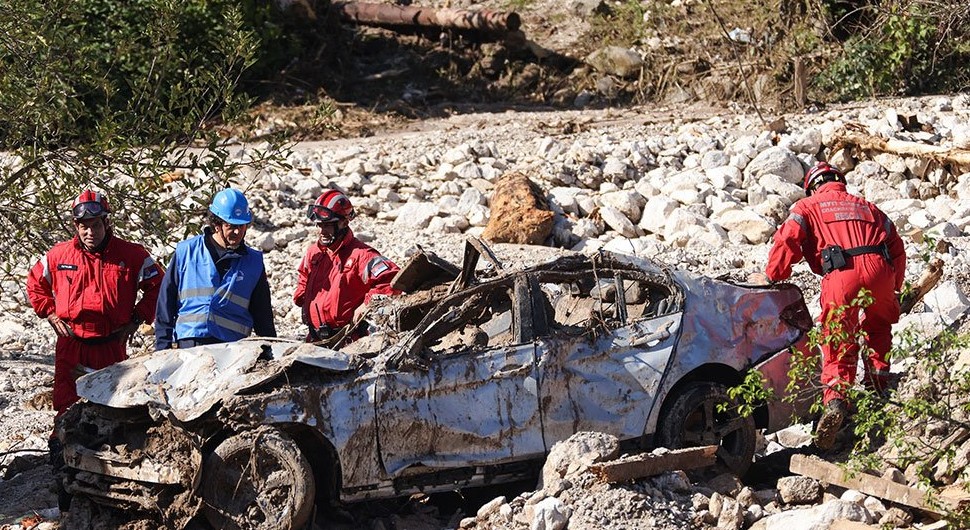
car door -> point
(475, 402)
(602, 373)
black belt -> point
(197, 341)
(834, 256)
(867, 249)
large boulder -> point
(519, 212)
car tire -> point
(258, 480)
(690, 419)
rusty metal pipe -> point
(395, 15)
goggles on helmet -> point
(322, 214)
(88, 210)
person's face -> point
(229, 235)
(91, 232)
(329, 232)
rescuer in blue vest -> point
(216, 288)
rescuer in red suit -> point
(339, 274)
(87, 289)
(854, 246)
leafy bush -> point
(121, 96)
(908, 48)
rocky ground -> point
(693, 187)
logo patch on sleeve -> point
(377, 266)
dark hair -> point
(214, 220)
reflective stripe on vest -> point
(210, 306)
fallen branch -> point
(395, 15)
(876, 486)
(866, 142)
(927, 281)
(648, 464)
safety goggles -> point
(322, 214)
(88, 210)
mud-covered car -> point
(467, 379)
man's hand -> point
(60, 327)
(758, 278)
(360, 312)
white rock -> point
(865, 171)
(724, 177)
(469, 199)
(457, 155)
(755, 228)
(10, 329)
(550, 514)
(617, 221)
(945, 229)
(388, 195)
(265, 242)
(875, 507)
(948, 301)
(587, 227)
(879, 191)
(307, 189)
(816, 518)
(714, 159)
(892, 163)
(776, 161)
(629, 202)
(853, 496)
(490, 507)
(440, 225)
(614, 168)
(921, 219)
(478, 215)
(644, 188)
(677, 228)
(808, 141)
(415, 215)
(468, 171)
(786, 190)
(656, 212)
(798, 435)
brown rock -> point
(519, 213)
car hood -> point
(188, 382)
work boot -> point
(829, 424)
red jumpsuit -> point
(832, 216)
(95, 294)
(333, 283)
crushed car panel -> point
(189, 382)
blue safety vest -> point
(208, 306)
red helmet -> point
(821, 173)
(90, 204)
(329, 207)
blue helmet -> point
(231, 206)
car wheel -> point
(258, 480)
(691, 419)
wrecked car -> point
(468, 379)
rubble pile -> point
(575, 498)
(704, 193)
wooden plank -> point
(870, 485)
(648, 465)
